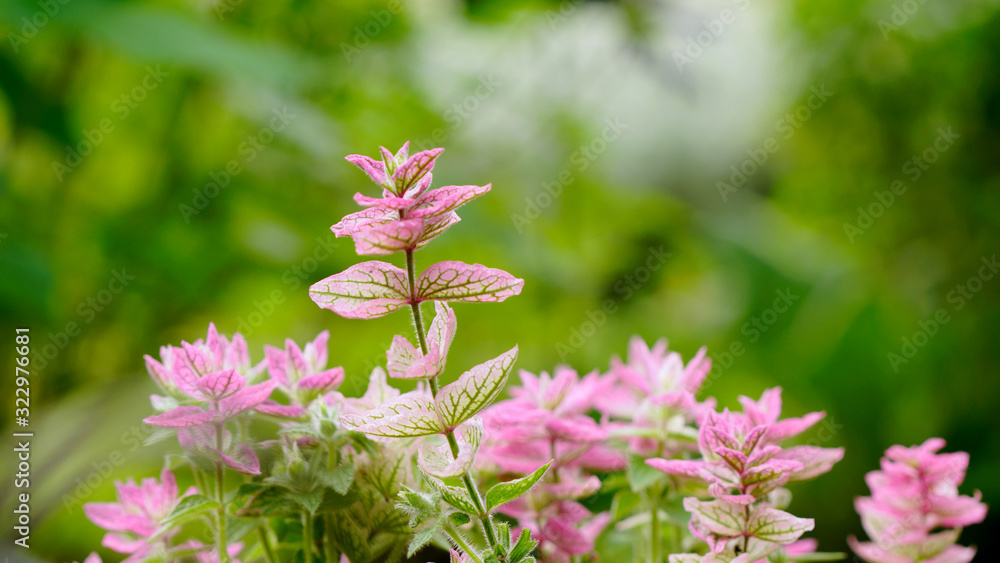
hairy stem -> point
(460, 542)
(418, 324)
(265, 544)
(220, 496)
(307, 536)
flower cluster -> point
(564, 464)
(915, 512)
(745, 467)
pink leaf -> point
(414, 168)
(442, 331)
(393, 203)
(444, 199)
(181, 417)
(815, 460)
(219, 384)
(323, 381)
(680, 467)
(365, 219)
(410, 414)
(474, 389)
(245, 399)
(372, 167)
(458, 281)
(771, 524)
(275, 409)
(393, 236)
(436, 226)
(717, 516)
(364, 291)
(439, 461)
(277, 362)
(243, 459)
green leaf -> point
(455, 496)
(460, 518)
(238, 528)
(422, 538)
(333, 502)
(474, 389)
(309, 500)
(348, 537)
(190, 507)
(268, 502)
(506, 492)
(641, 476)
(339, 478)
(818, 556)
(522, 549)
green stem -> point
(307, 536)
(220, 496)
(470, 485)
(654, 533)
(265, 543)
(457, 538)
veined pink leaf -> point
(410, 414)
(777, 526)
(274, 408)
(445, 199)
(815, 460)
(243, 459)
(373, 168)
(364, 291)
(439, 461)
(246, 398)
(400, 358)
(414, 168)
(458, 281)
(277, 361)
(474, 389)
(717, 516)
(364, 219)
(323, 381)
(442, 331)
(693, 469)
(181, 417)
(217, 385)
(436, 226)
(395, 203)
(393, 236)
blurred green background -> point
(168, 163)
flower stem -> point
(470, 485)
(220, 496)
(265, 543)
(457, 538)
(307, 536)
(654, 532)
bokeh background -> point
(168, 163)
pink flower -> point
(563, 528)
(408, 215)
(135, 519)
(301, 374)
(181, 367)
(914, 494)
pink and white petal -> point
(458, 281)
(400, 356)
(364, 291)
(181, 417)
(789, 427)
(815, 460)
(442, 330)
(122, 543)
